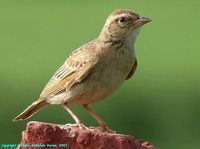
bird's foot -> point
(67, 126)
(148, 145)
(103, 128)
(82, 126)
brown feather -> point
(32, 109)
(132, 70)
(77, 66)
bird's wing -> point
(132, 70)
(77, 66)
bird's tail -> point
(32, 109)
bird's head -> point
(122, 25)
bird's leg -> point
(77, 120)
(103, 126)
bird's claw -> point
(82, 126)
(103, 128)
(79, 125)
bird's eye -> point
(122, 20)
(137, 17)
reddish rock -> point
(40, 135)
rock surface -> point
(40, 135)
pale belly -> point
(107, 77)
(93, 89)
(101, 87)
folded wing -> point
(74, 70)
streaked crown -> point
(122, 23)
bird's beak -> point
(141, 21)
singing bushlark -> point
(95, 70)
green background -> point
(161, 103)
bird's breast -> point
(107, 76)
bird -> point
(95, 70)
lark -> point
(95, 70)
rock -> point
(43, 135)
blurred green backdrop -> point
(160, 104)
